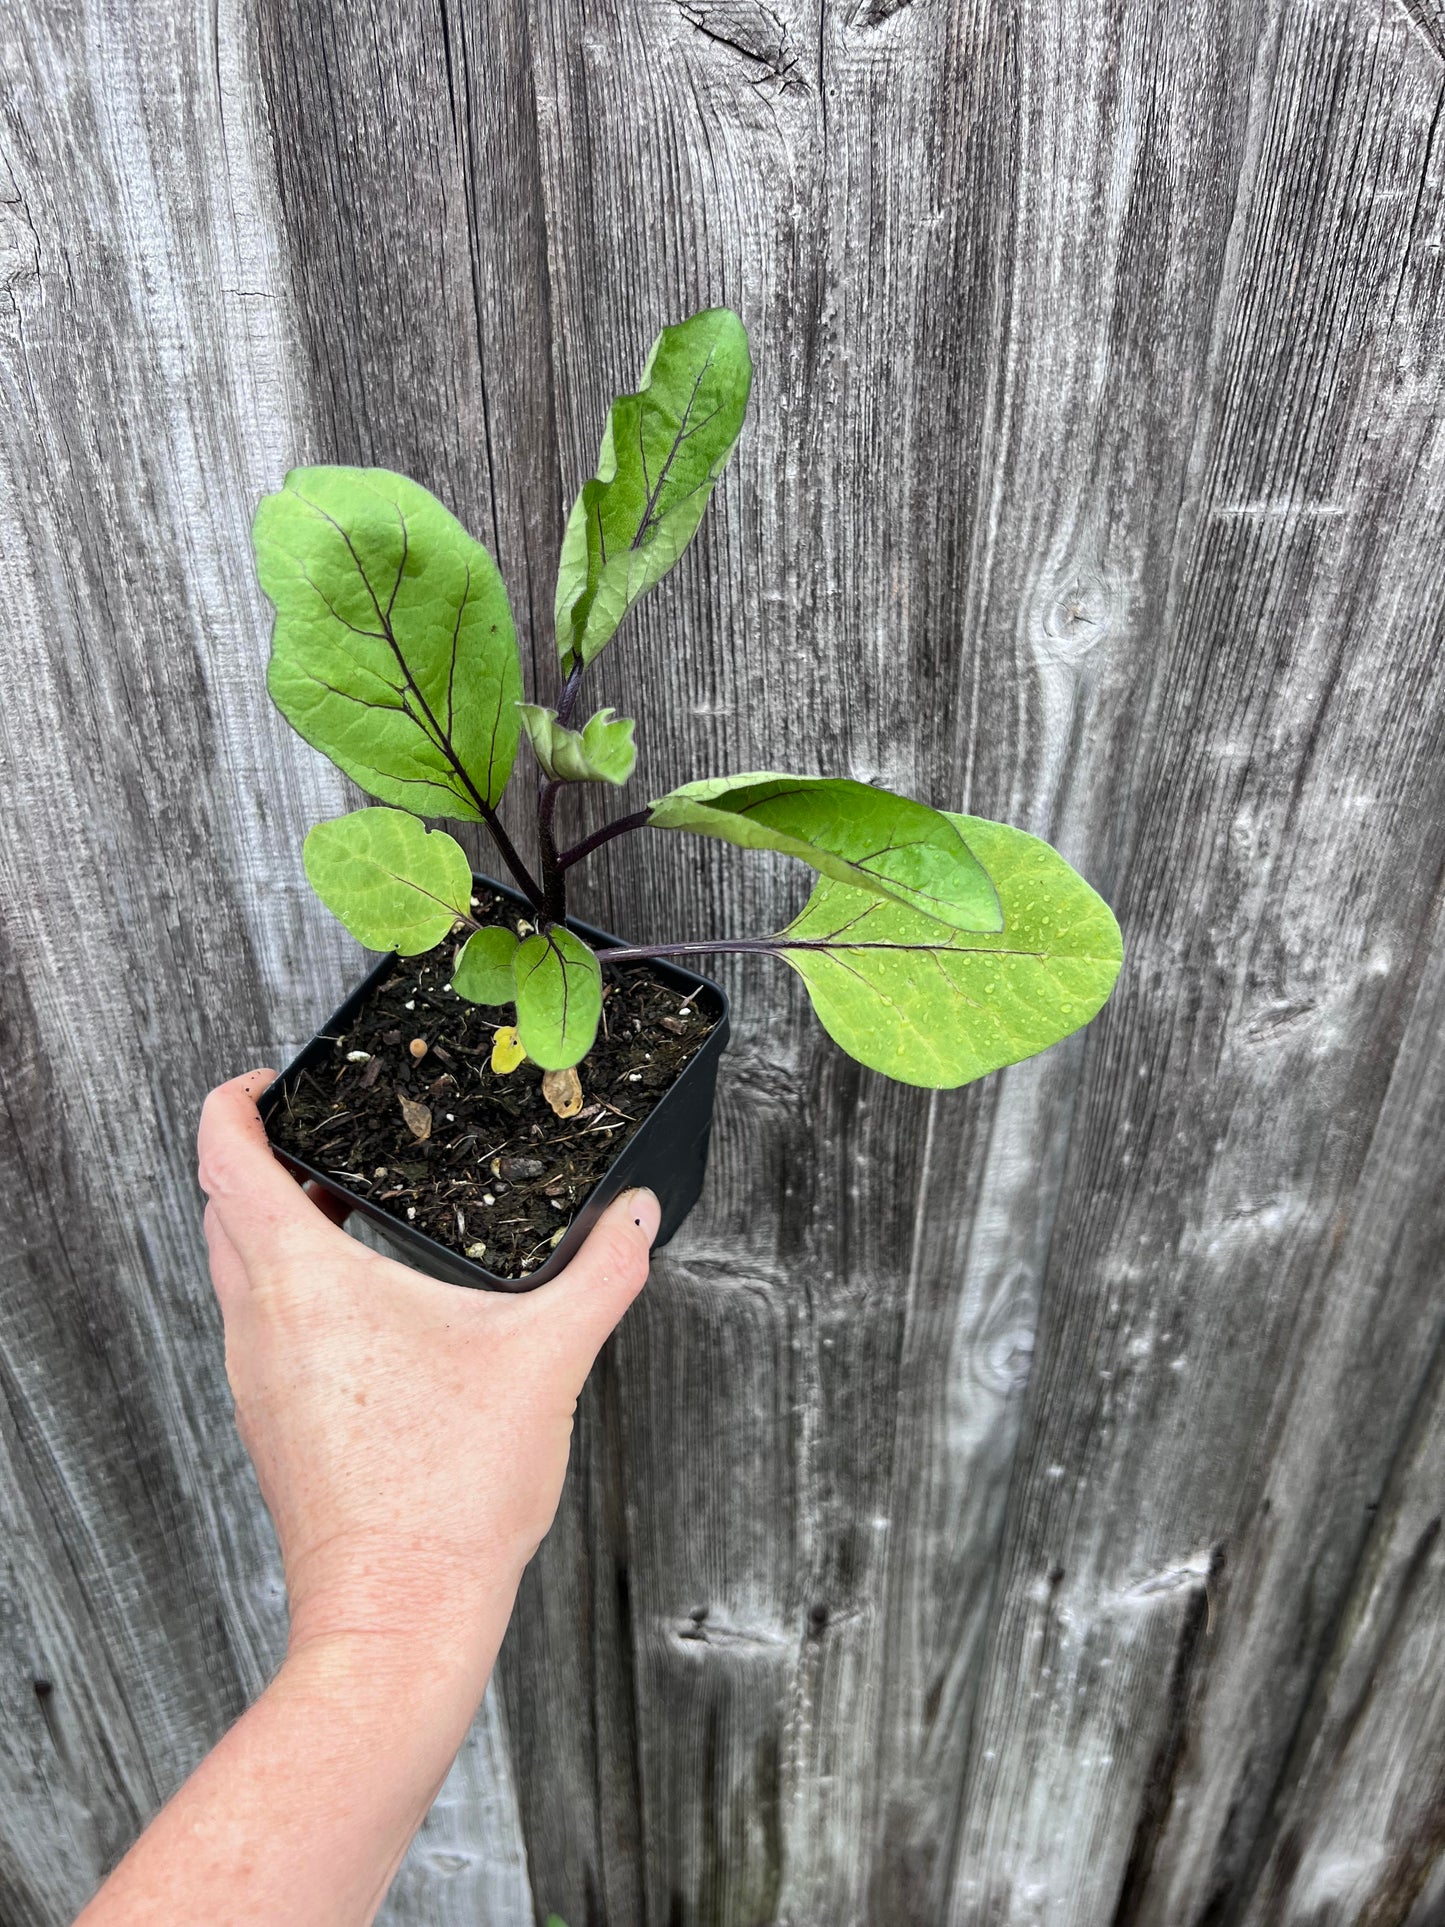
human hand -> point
(410, 1437)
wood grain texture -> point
(1357, 1833)
(1010, 1506)
(157, 929)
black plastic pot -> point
(667, 1152)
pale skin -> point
(410, 1440)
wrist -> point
(371, 1673)
(424, 1684)
(423, 1611)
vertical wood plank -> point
(1358, 1835)
(149, 934)
(435, 357)
(687, 161)
(158, 931)
(1202, 1278)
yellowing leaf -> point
(507, 1050)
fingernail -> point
(646, 1211)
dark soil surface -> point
(498, 1176)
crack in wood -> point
(1172, 1746)
(747, 27)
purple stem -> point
(554, 884)
(568, 697)
(530, 887)
(772, 946)
(618, 827)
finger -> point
(327, 1203)
(228, 1274)
(263, 1211)
(582, 1305)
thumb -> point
(583, 1304)
(260, 1207)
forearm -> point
(410, 1440)
(304, 1810)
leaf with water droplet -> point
(868, 838)
(939, 1007)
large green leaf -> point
(393, 651)
(559, 997)
(938, 1008)
(662, 452)
(483, 973)
(395, 884)
(849, 831)
(602, 751)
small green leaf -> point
(558, 988)
(662, 453)
(602, 751)
(938, 1008)
(395, 884)
(484, 967)
(849, 831)
(393, 651)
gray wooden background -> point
(1012, 1506)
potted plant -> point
(506, 1070)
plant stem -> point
(531, 889)
(774, 946)
(568, 696)
(554, 883)
(618, 827)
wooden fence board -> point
(1280, 926)
(1005, 1506)
(135, 347)
(1356, 1835)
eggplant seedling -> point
(935, 947)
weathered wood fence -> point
(1013, 1506)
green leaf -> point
(483, 972)
(849, 831)
(662, 453)
(393, 651)
(602, 751)
(946, 1008)
(558, 988)
(395, 884)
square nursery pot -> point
(667, 1152)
